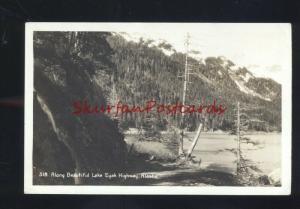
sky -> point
(264, 48)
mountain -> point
(266, 89)
(144, 70)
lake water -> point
(217, 151)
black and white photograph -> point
(158, 108)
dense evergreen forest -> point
(142, 71)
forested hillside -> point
(144, 72)
(64, 67)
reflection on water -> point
(216, 151)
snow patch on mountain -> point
(225, 62)
(129, 37)
(234, 68)
(247, 76)
(220, 73)
(161, 44)
(240, 82)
